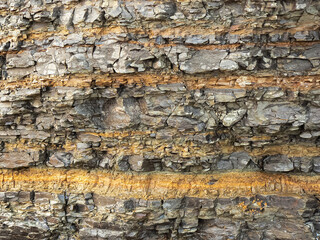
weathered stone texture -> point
(153, 87)
(76, 216)
(171, 127)
(86, 49)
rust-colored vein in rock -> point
(158, 185)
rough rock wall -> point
(176, 119)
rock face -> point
(159, 119)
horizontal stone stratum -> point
(160, 119)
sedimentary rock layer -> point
(81, 204)
(172, 119)
(45, 215)
(163, 127)
(159, 185)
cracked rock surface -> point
(174, 119)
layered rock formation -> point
(160, 119)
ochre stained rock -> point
(159, 185)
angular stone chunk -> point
(103, 201)
(152, 10)
(18, 95)
(224, 164)
(220, 229)
(277, 163)
(197, 39)
(283, 202)
(279, 52)
(94, 15)
(228, 65)
(20, 72)
(165, 10)
(132, 58)
(22, 60)
(136, 162)
(146, 10)
(60, 159)
(316, 164)
(314, 118)
(272, 93)
(44, 197)
(105, 56)
(233, 117)
(306, 135)
(313, 52)
(174, 87)
(80, 14)
(203, 61)
(109, 234)
(79, 63)
(74, 38)
(162, 104)
(266, 113)
(49, 69)
(182, 123)
(91, 109)
(225, 95)
(122, 113)
(239, 159)
(297, 65)
(172, 204)
(139, 163)
(18, 159)
(87, 137)
(243, 58)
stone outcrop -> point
(159, 119)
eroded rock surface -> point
(150, 91)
